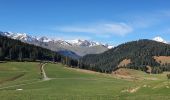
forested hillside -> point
(139, 52)
(11, 49)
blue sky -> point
(106, 21)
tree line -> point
(15, 50)
(140, 52)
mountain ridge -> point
(79, 47)
(25, 37)
(141, 54)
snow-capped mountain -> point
(110, 47)
(27, 38)
(79, 47)
(62, 42)
(19, 36)
(87, 43)
(159, 39)
(44, 39)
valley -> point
(84, 50)
(70, 83)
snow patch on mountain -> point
(62, 42)
(44, 39)
(110, 47)
(159, 39)
(78, 42)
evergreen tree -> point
(140, 52)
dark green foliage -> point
(1, 53)
(157, 70)
(16, 50)
(11, 49)
(140, 52)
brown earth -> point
(162, 59)
(83, 70)
(12, 78)
(124, 63)
(122, 71)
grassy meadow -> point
(22, 81)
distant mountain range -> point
(73, 48)
(140, 54)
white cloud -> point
(102, 29)
(147, 20)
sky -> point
(105, 21)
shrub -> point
(168, 76)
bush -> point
(168, 75)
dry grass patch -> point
(132, 75)
(124, 63)
(123, 73)
(162, 59)
(131, 90)
(83, 70)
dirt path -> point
(20, 85)
(12, 78)
(44, 75)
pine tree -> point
(1, 53)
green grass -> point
(68, 84)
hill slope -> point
(141, 53)
(11, 49)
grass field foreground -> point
(70, 84)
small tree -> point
(168, 76)
(0, 52)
